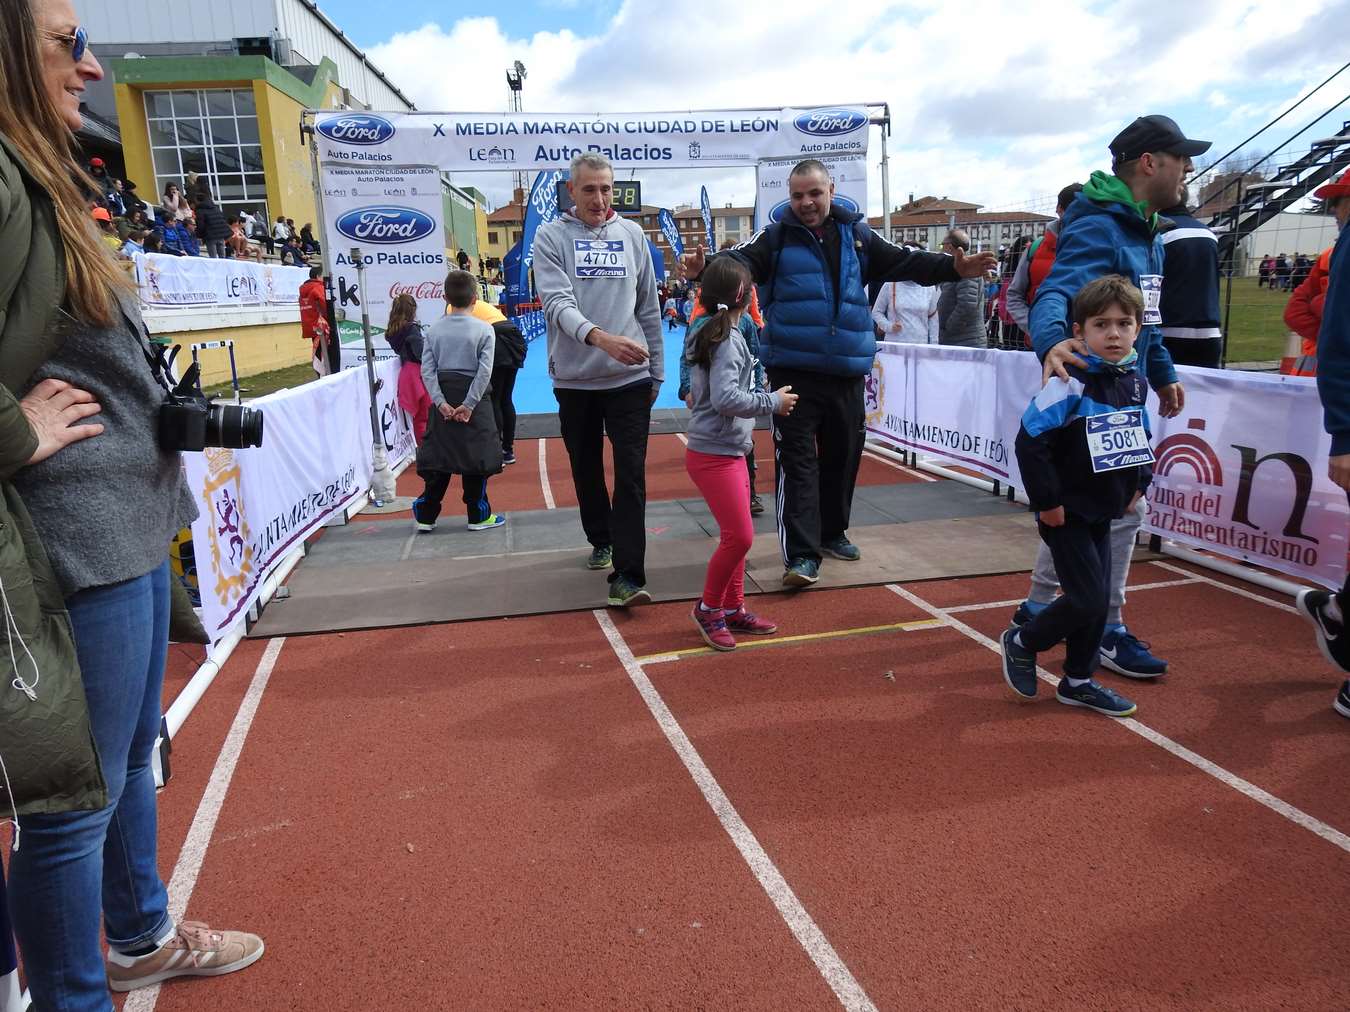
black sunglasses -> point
(78, 42)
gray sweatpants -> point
(1044, 582)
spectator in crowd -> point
(308, 244)
(1265, 270)
(462, 258)
(314, 320)
(91, 502)
(134, 244)
(1284, 267)
(1303, 314)
(260, 234)
(405, 335)
(1113, 227)
(292, 253)
(212, 228)
(606, 359)
(815, 268)
(239, 246)
(130, 200)
(462, 437)
(906, 312)
(106, 230)
(1190, 291)
(112, 197)
(98, 171)
(290, 227)
(134, 220)
(961, 303)
(1328, 612)
(508, 359)
(482, 270)
(174, 204)
(153, 242)
(186, 230)
(280, 231)
(248, 220)
(1302, 268)
(169, 234)
(1035, 264)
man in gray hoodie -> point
(593, 272)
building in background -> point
(928, 219)
(505, 226)
(462, 212)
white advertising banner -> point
(259, 503)
(164, 280)
(1241, 472)
(464, 142)
(394, 214)
(849, 173)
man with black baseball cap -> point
(1113, 227)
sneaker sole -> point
(1341, 708)
(597, 567)
(641, 597)
(1300, 602)
(187, 970)
(425, 528)
(1097, 709)
(486, 527)
(1140, 676)
(1007, 678)
(798, 580)
(709, 640)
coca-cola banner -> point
(394, 215)
(1241, 472)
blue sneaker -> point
(488, 522)
(1025, 612)
(624, 593)
(842, 548)
(1019, 667)
(1094, 696)
(1125, 654)
(801, 573)
(418, 523)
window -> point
(215, 134)
(1007, 231)
(515, 236)
(492, 238)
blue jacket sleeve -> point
(684, 375)
(1333, 349)
(1085, 250)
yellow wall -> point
(256, 349)
(480, 226)
(286, 161)
(136, 142)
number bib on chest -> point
(1118, 440)
(1151, 286)
(600, 258)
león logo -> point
(232, 561)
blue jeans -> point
(69, 867)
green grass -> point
(265, 382)
(1256, 329)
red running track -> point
(488, 816)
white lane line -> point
(682, 438)
(404, 555)
(804, 929)
(543, 476)
(899, 467)
(1260, 796)
(193, 854)
(1013, 604)
(1224, 586)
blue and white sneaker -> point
(488, 522)
(1025, 612)
(1019, 667)
(1094, 696)
(419, 524)
(1127, 655)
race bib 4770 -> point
(600, 258)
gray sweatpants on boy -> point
(1044, 582)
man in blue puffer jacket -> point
(813, 270)
(1113, 227)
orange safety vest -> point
(1042, 259)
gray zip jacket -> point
(961, 313)
(726, 402)
(614, 288)
(458, 343)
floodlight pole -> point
(382, 481)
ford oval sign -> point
(385, 225)
(357, 128)
(829, 122)
(779, 209)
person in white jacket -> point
(907, 313)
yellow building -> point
(233, 119)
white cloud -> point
(996, 104)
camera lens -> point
(234, 427)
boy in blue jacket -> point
(1083, 449)
(1113, 227)
(1327, 612)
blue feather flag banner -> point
(542, 208)
(707, 216)
(671, 231)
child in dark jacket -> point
(724, 402)
(1083, 450)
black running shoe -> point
(1331, 637)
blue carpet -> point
(534, 389)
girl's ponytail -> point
(725, 290)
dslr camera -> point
(188, 420)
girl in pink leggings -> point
(721, 427)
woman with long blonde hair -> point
(89, 504)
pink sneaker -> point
(742, 621)
(713, 628)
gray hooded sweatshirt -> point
(588, 278)
(726, 402)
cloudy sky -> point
(996, 103)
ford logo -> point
(829, 122)
(1118, 418)
(357, 128)
(385, 225)
(847, 203)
